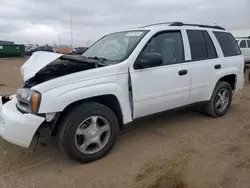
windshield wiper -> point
(100, 60)
(97, 58)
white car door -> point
(163, 87)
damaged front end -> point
(7, 98)
(20, 120)
(61, 66)
(13, 122)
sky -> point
(45, 21)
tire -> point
(68, 138)
(211, 109)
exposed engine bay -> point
(64, 65)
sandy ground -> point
(173, 150)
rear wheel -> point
(88, 132)
(220, 101)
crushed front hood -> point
(36, 62)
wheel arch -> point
(229, 78)
(109, 100)
(58, 99)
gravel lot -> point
(173, 150)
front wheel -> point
(220, 101)
(88, 132)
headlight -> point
(28, 100)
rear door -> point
(203, 64)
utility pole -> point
(71, 30)
(59, 40)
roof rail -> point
(184, 24)
(162, 23)
(198, 25)
(243, 37)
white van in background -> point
(244, 44)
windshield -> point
(115, 47)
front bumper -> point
(16, 127)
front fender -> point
(56, 100)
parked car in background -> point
(87, 100)
(45, 48)
(79, 50)
(244, 44)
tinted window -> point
(201, 45)
(228, 43)
(248, 43)
(210, 46)
(169, 45)
(243, 44)
(197, 45)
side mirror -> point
(149, 60)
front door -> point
(164, 87)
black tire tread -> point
(210, 110)
(68, 118)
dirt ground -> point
(173, 150)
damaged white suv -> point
(87, 100)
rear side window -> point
(243, 44)
(210, 46)
(248, 43)
(201, 45)
(228, 43)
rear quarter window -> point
(248, 43)
(227, 43)
(243, 44)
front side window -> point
(243, 44)
(227, 43)
(169, 45)
(115, 47)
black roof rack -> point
(162, 23)
(243, 37)
(197, 25)
(184, 24)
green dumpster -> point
(16, 50)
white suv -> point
(126, 75)
(244, 44)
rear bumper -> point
(15, 127)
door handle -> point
(183, 72)
(217, 66)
